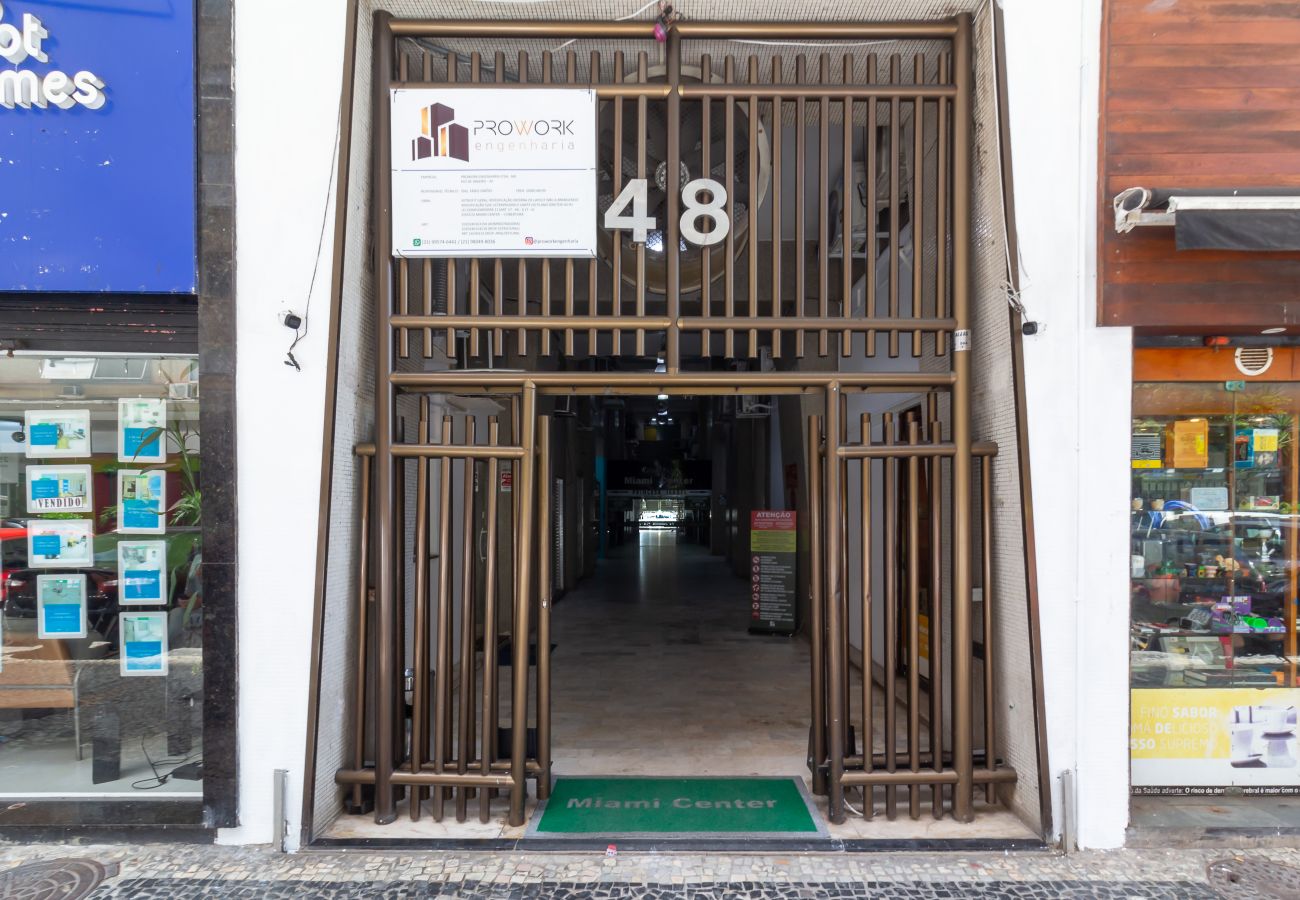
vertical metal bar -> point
(525, 491)
(894, 201)
(594, 77)
(617, 166)
(521, 68)
(403, 271)
(823, 200)
(800, 191)
(672, 228)
(487, 743)
(870, 243)
(868, 678)
(449, 265)
(386, 622)
(936, 604)
(834, 601)
(816, 626)
(914, 618)
(963, 790)
(891, 616)
(752, 254)
(706, 171)
(419, 688)
(846, 214)
(845, 643)
(775, 193)
(592, 290)
(498, 306)
(468, 654)
(498, 274)
(641, 173)
(426, 283)
(547, 63)
(426, 292)
(570, 73)
(472, 290)
(986, 580)
(941, 214)
(729, 259)
(363, 632)
(544, 526)
(472, 299)
(400, 723)
(917, 204)
(442, 656)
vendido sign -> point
(97, 169)
(487, 172)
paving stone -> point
(155, 872)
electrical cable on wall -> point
(301, 324)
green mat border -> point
(819, 822)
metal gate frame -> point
(834, 765)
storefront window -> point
(1214, 567)
(101, 688)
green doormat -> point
(637, 806)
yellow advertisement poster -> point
(1207, 737)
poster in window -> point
(141, 501)
(57, 433)
(60, 544)
(1204, 740)
(142, 573)
(60, 606)
(144, 644)
(59, 489)
(142, 430)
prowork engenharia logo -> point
(439, 135)
(25, 88)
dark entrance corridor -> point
(655, 673)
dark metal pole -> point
(672, 228)
(834, 607)
(963, 790)
(385, 481)
(544, 526)
(524, 494)
(816, 629)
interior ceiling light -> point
(1278, 330)
(665, 396)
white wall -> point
(285, 120)
(1078, 386)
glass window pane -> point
(101, 689)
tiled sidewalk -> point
(191, 871)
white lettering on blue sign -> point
(24, 88)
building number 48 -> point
(634, 194)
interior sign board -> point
(773, 549)
(493, 172)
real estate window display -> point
(101, 688)
(1213, 535)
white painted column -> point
(1078, 384)
(288, 61)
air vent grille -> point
(1254, 360)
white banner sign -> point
(494, 172)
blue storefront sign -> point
(97, 161)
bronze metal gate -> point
(439, 322)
